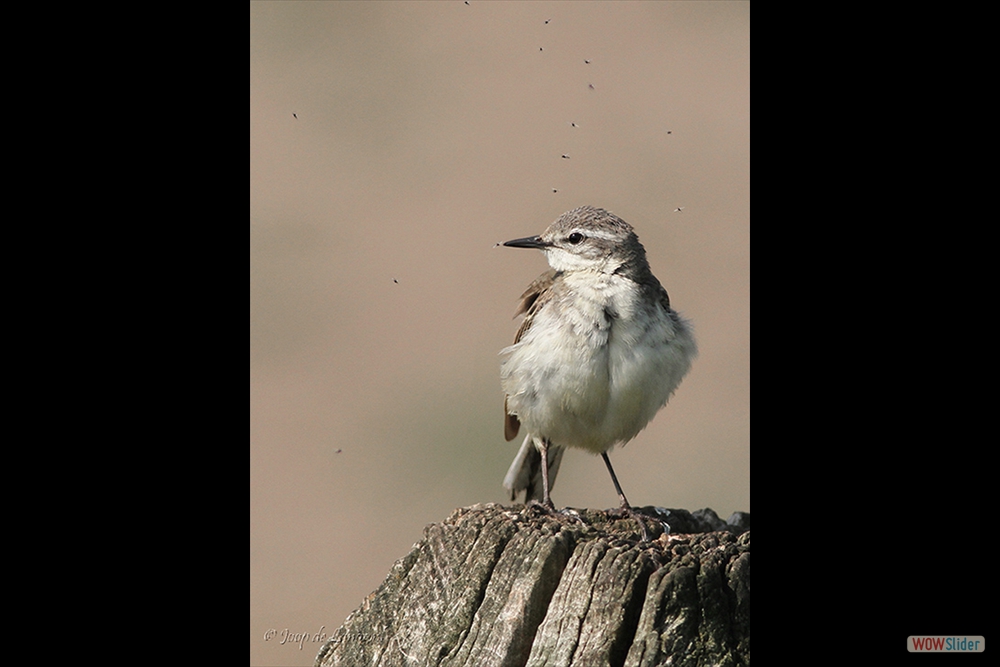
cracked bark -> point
(508, 586)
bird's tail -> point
(525, 472)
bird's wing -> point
(530, 301)
(664, 299)
(511, 424)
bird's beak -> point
(528, 242)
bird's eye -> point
(575, 238)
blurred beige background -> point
(425, 134)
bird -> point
(598, 353)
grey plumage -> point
(599, 352)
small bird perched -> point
(598, 354)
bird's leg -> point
(545, 505)
(625, 507)
(614, 478)
(546, 500)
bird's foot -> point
(627, 510)
(544, 506)
(548, 509)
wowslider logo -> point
(945, 644)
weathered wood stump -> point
(496, 585)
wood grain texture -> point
(510, 586)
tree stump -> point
(513, 586)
